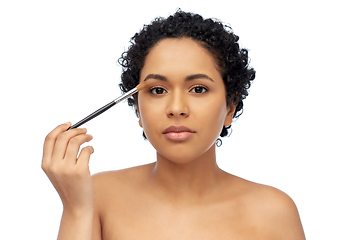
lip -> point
(178, 133)
(178, 129)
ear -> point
(229, 116)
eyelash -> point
(155, 88)
(193, 88)
(199, 86)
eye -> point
(157, 90)
(199, 89)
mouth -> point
(178, 133)
(177, 129)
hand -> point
(67, 170)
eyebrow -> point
(188, 78)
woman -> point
(197, 79)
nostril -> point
(180, 114)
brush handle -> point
(94, 114)
(104, 108)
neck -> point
(194, 179)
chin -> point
(183, 156)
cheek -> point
(211, 113)
(149, 113)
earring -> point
(218, 142)
(144, 136)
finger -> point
(51, 139)
(84, 156)
(73, 147)
(62, 141)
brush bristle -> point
(141, 86)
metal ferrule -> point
(126, 95)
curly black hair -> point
(216, 37)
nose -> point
(177, 105)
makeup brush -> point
(138, 88)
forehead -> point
(179, 56)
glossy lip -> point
(178, 129)
(178, 133)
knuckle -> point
(56, 169)
(86, 152)
(72, 173)
(62, 171)
(62, 136)
(88, 149)
(66, 173)
(77, 131)
(52, 168)
(49, 137)
(44, 166)
(74, 141)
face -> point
(183, 109)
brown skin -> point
(235, 209)
(71, 178)
(184, 195)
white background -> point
(299, 131)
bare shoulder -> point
(270, 209)
(124, 177)
(269, 198)
(113, 184)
